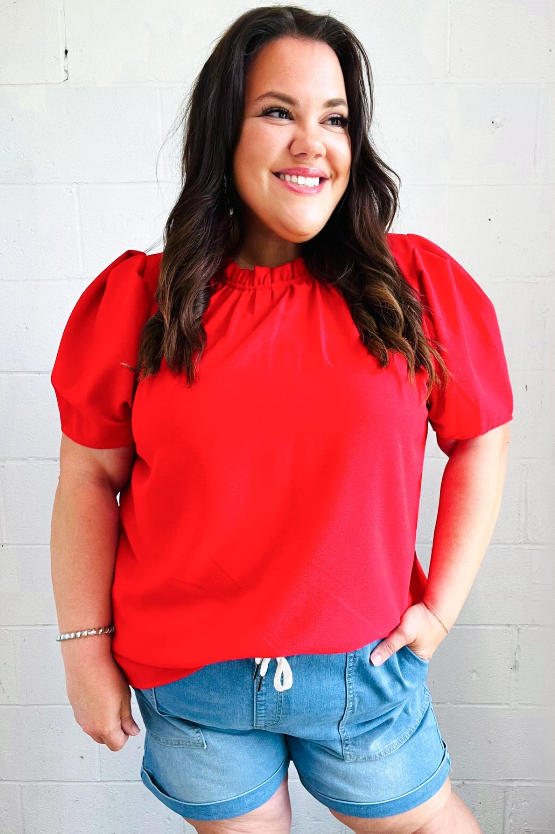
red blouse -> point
(272, 506)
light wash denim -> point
(364, 739)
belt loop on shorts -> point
(283, 669)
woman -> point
(259, 396)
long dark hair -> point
(351, 251)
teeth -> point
(310, 182)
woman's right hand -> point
(98, 692)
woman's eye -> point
(269, 110)
(342, 120)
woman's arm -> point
(469, 504)
(84, 536)
(83, 546)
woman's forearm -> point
(83, 544)
(470, 499)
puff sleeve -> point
(478, 396)
(94, 388)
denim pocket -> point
(169, 729)
(413, 654)
(385, 704)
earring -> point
(227, 198)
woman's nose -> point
(307, 140)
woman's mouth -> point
(301, 185)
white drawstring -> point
(283, 668)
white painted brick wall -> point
(465, 94)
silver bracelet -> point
(71, 634)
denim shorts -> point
(364, 739)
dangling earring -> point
(227, 198)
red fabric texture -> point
(272, 506)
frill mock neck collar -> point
(238, 276)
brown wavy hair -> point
(350, 252)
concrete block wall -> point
(464, 110)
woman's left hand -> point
(419, 629)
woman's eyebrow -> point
(331, 102)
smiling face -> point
(294, 123)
